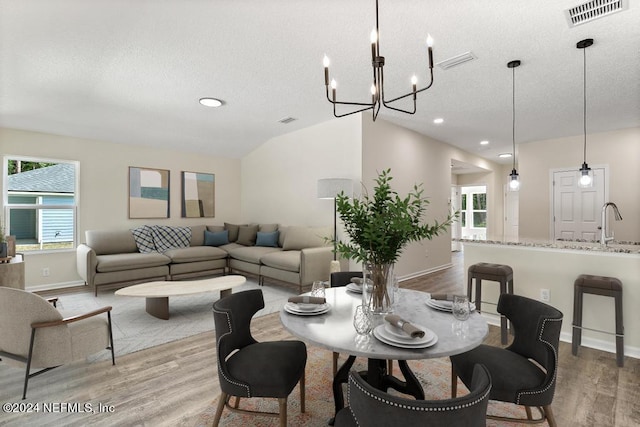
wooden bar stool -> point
(598, 285)
(500, 273)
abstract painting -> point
(148, 193)
(198, 195)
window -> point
(480, 210)
(41, 203)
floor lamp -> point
(329, 188)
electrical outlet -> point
(426, 253)
(544, 295)
(45, 272)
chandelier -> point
(377, 87)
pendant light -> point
(585, 174)
(514, 183)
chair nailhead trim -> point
(416, 408)
(555, 356)
(220, 370)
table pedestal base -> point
(379, 378)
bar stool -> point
(500, 273)
(598, 285)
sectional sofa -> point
(293, 254)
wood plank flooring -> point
(170, 385)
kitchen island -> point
(554, 267)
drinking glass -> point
(461, 309)
(362, 321)
(317, 289)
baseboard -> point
(53, 286)
(424, 272)
(609, 347)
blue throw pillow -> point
(267, 239)
(217, 238)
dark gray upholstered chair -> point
(515, 370)
(339, 279)
(369, 406)
(247, 368)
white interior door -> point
(576, 211)
(456, 228)
(511, 215)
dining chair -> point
(38, 336)
(369, 406)
(525, 372)
(248, 368)
(340, 279)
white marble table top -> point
(334, 330)
(161, 289)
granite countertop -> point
(625, 247)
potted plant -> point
(379, 228)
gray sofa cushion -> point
(233, 230)
(195, 253)
(252, 254)
(215, 228)
(121, 262)
(284, 260)
(305, 237)
(247, 235)
(268, 228)
(197, 235)
(105, 242)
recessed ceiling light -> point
(485, 142)
(438, 121)
(505, 155)
(210, 102)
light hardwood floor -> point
(170, 385)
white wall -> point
(279, 178)
(620, 150)
(104, 176)
(415, 159)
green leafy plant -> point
(379, 227)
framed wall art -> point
(198, 195)
(148, 193)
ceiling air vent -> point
(594, 9)
(286, 120)
(456, 60)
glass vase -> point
(378, 288)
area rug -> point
(134, 329)
(433, 374)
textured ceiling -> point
(133, 71)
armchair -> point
(35, 333)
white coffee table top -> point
(162, 289)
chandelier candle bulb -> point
(333, 89)
(414, 82)
(430, 46)
(325, 62)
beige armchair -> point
(36, 334)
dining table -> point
(332, 328)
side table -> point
(12, 272)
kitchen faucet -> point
(604, 238)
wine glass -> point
(317, 289)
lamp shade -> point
(329, 188)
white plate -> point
(302, 306)
(354, 288)
(443, 306)
(383, 338)
(394, 333)
(291, 308)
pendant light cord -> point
(584, 100)
(513, 117)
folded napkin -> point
(357, 280)
(442, 297)
(306, 299)
(398, 321)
